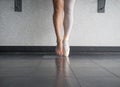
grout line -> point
(106, 69)
(74, 75)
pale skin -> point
(60, 7)
(58, 22)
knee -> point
(68, 11)
(58, 9)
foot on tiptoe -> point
(59, 49)
(66, 48)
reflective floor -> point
(84, 70)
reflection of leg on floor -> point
(62, 65)
(66, 65)
(59, 72)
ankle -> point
(59, 41)
(65, 39)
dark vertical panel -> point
(18, 5)
(101, 6)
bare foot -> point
(59, 49)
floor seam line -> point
(106, 69)
(75, 75)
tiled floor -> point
(84, 70)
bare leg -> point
(58, 23)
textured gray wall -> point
(34, 26)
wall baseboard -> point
(51, 49)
